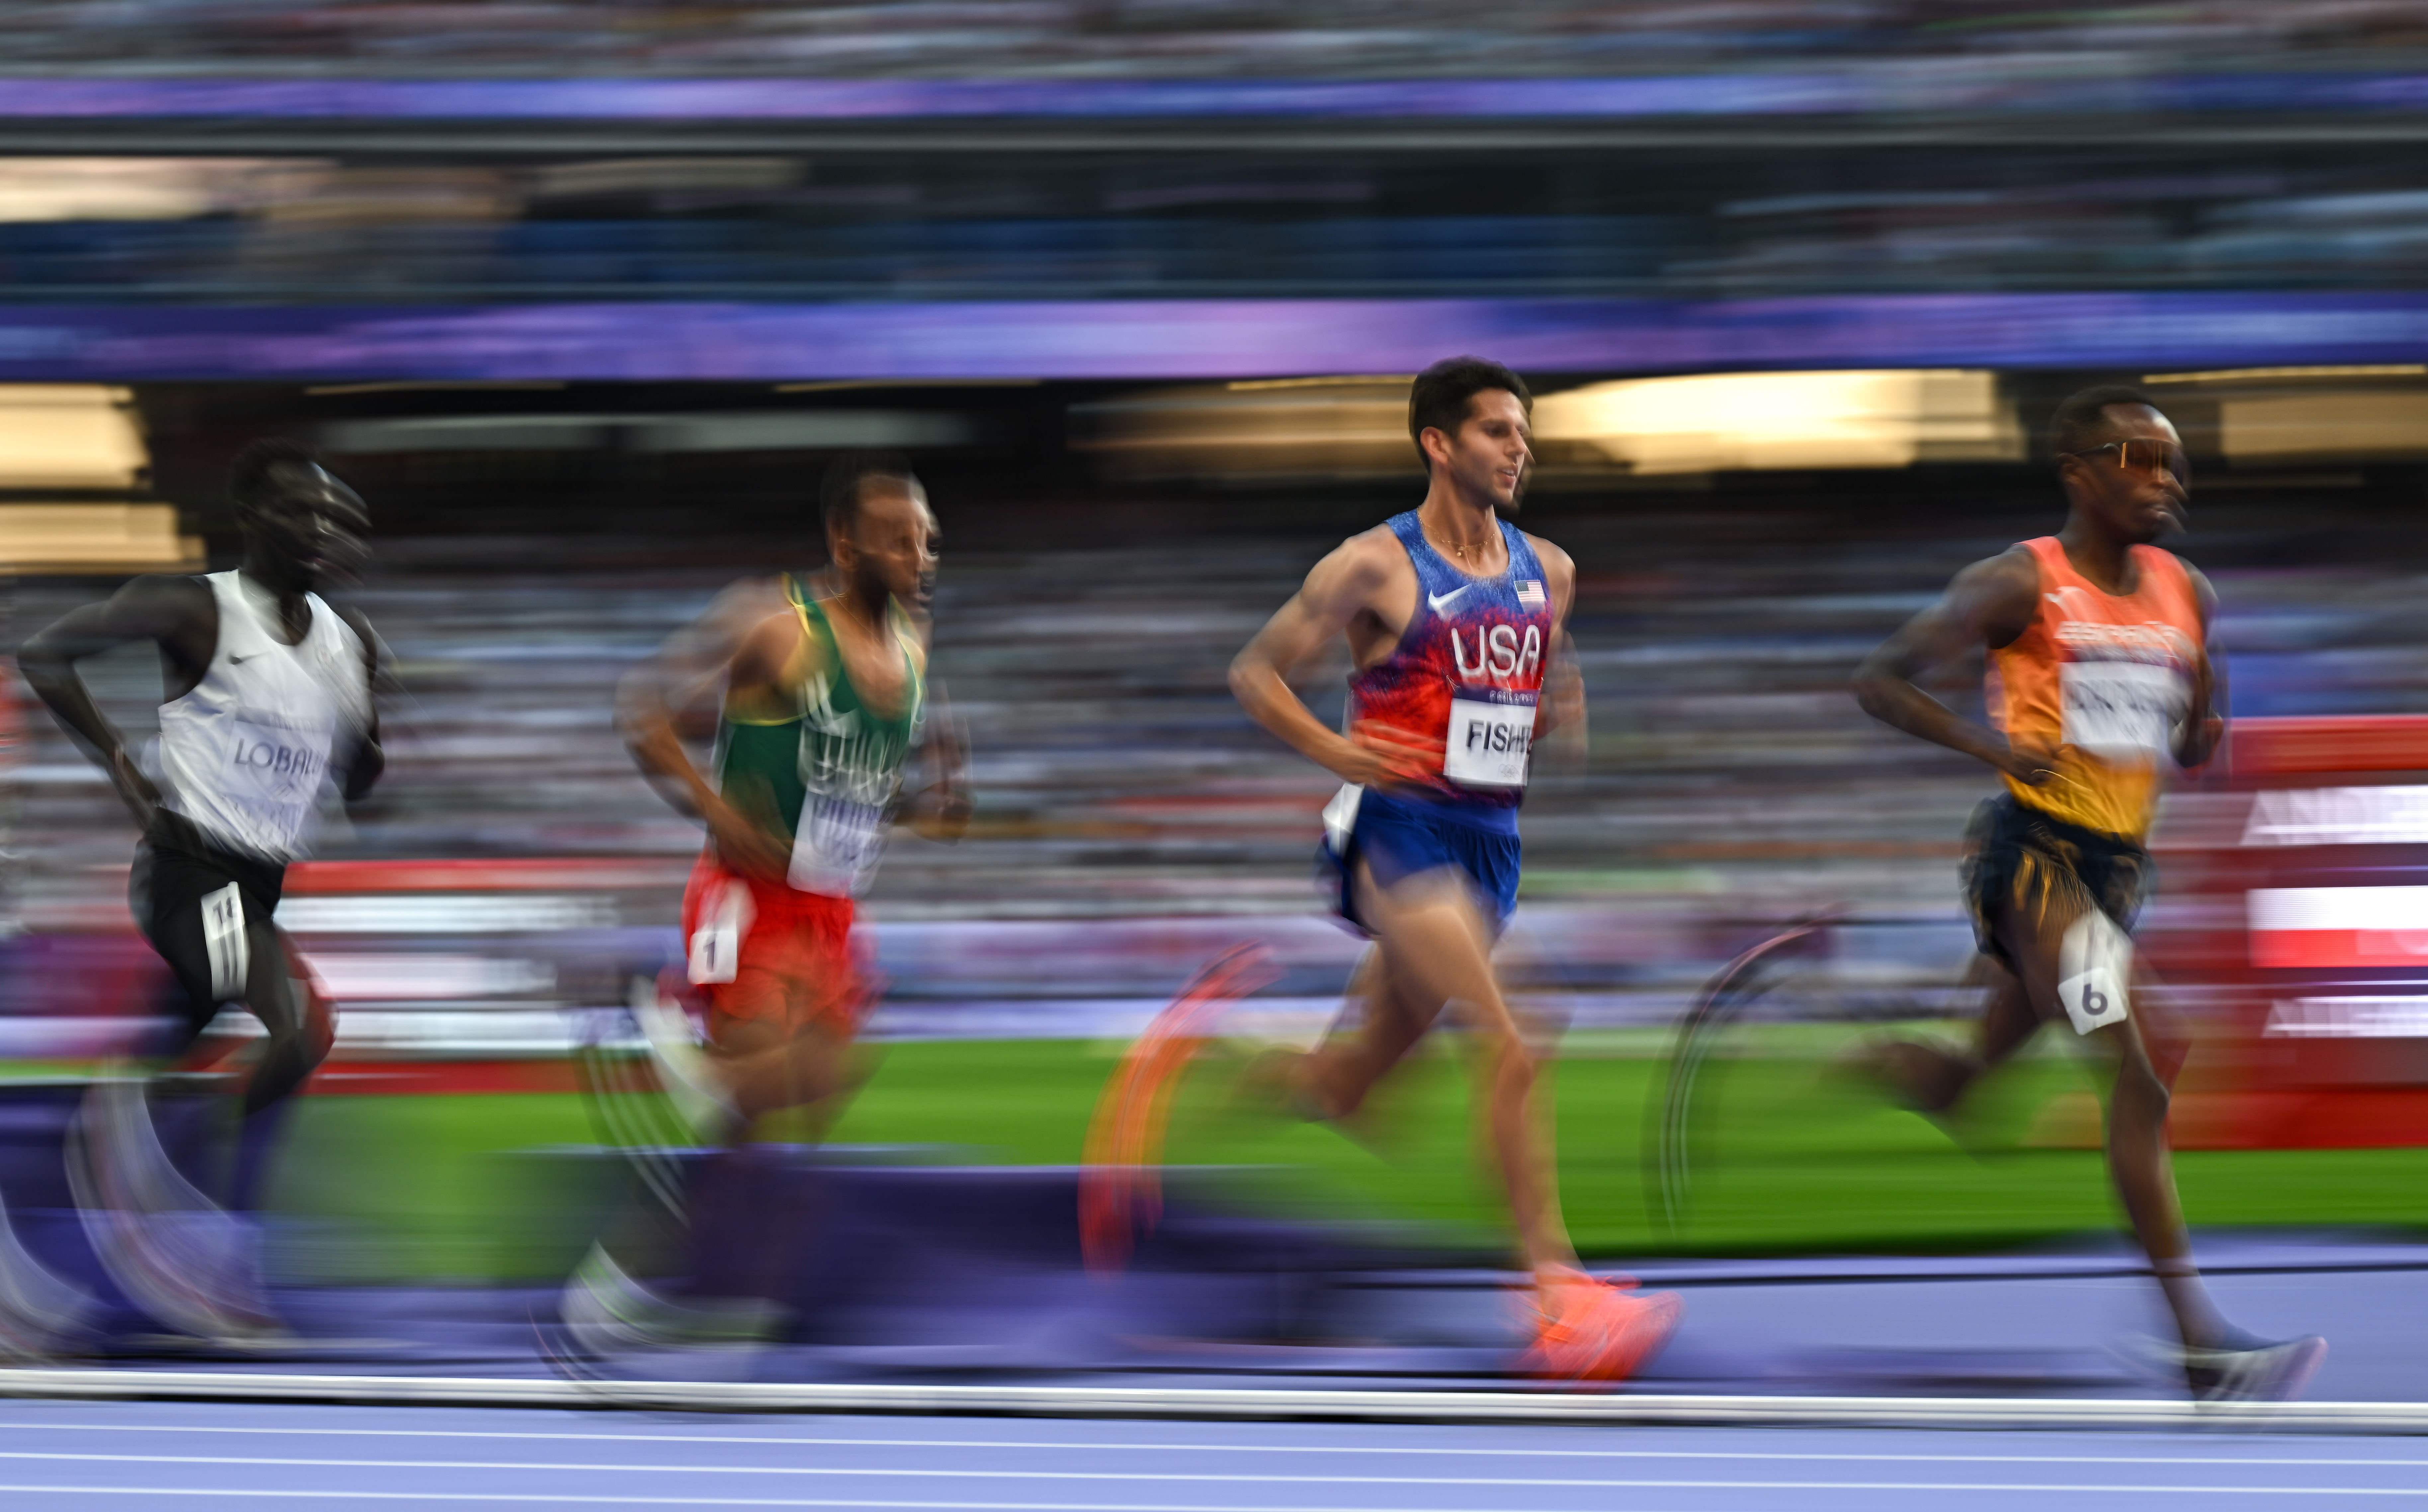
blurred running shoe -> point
(691, 1083)
(1596, 1330)
(1121, 1195)
(2245, 1368)
(39, 1313)
(607, 1312)
(190, 1264)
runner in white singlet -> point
(268, 701)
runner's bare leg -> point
(768, 1066)
(1333, 1081)
(1436, 948)
(2138, 1160)
(1930, 1078)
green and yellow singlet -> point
(822, 778)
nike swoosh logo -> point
(1435, 600)
(238, 661)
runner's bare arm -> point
(940, 810)
(368, 759)
(1988, 605)
(1563, 709)
(677, 692)
(1343, 587)
(734, 649)
(178, 613)
(2204, 726)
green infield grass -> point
(456, 1188)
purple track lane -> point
(85, 1454)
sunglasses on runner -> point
(2146, 456)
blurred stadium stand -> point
(1092, 39)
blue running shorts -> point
(1401, 837)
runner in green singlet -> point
(825, 704)
(823, 707)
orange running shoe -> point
(1595, 1330)
(1119, 1196)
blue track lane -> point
(92, 1455)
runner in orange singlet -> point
(2100, 680)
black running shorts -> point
(207, 911)
(2018, 859)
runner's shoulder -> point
(1558, 566)
(1997, 598)
(165, 590)
(2204, 591)
(162, 606)
(356, 623)
(1370, 557)
(1357, 574)
(2012, 575)
(777, 648)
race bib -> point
(2094, 962)
(836, 846)
(224, 942)
(2121, 711)
(716, 939)
(1488, 740)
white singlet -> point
(243, 755)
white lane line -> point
(1089, 1446)
(905, 1472)
(1230, 1402)
(557, 1499)
(560, 1498)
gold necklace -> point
(1459, 551)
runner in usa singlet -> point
(2102, 680)
(1467, 672)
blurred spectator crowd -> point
(1117, 775)
(1150, 39)
(279, 230)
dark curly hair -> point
(1443, 396)
(2080, 419)
(839, 496)
(249, 476)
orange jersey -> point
(2104, 679)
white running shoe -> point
(40, 1312)
(180, 1257)
(691, 1082)
(607, 1312)
(2246, 1369)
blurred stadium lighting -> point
(1344, 428)
(71, 435)
(80, 439)
(2325, 424)
(146, 188)
(1717, 423)
(95, 538)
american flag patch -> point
(1530, 592)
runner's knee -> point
(1506, 1055)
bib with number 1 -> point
(2122, 710)
(1490, 732)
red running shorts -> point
(764, 951)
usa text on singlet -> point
(243, 754)
(1467, 672)
(2104, 679)
(825, 776)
